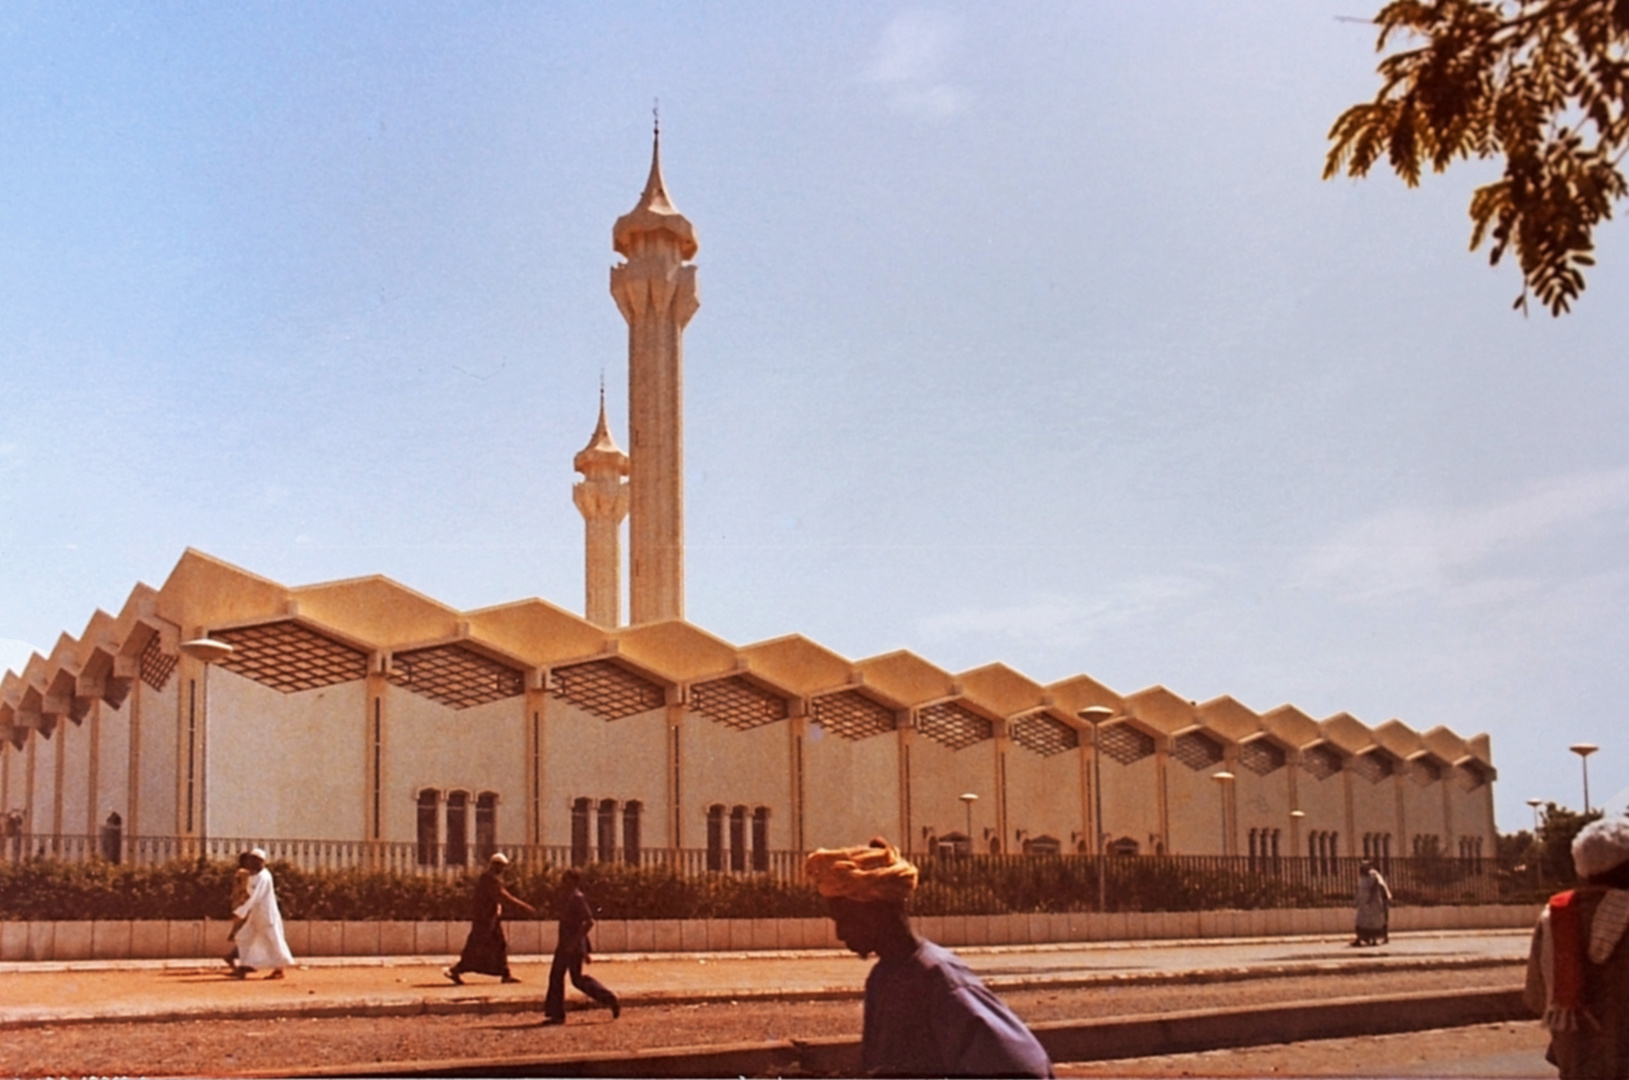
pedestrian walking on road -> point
(257, 925)
(926, 1014)
(1373, 906)
(1578, 966)
(240, 893)
(486, 949)
(571, 952)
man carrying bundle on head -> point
(926, 1014)
(1578, 968)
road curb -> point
(412, 1004)
(1066, 1041)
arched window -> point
(1252, 849)
(113, 837)
(457, 828)
(738, 839)
(605, 832)
(760, 838)
(715, 837)
(630, 832)
(486, 825)
(429, 826)
(579, 831)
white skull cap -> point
(259, 853)
(1601, 846)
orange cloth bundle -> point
(869, 873)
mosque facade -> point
(362, 715)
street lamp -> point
(968, 798)
(1538, 861)
(1584, 750)
(209, 652)
(1096, 715)
(1223, 779)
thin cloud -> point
(909, 60)
(1067, 620)
(1448, 551)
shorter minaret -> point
(602, 496)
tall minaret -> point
(656, 292)
(602, 496)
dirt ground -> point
(214, 1048)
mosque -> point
(361, 716)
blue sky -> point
(1027, 334)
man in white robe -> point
(258, 926)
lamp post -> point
(1223, 779)
(1584, 750)
(968, 798)
(207, 651)
(1538, 861)
(1095, 715)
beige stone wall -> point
(1043, 797)
(479, 749)
(851, 789)
(586, 757)
(1374, 812)
(938, 776)
(1324, 803)
(1131, 801)
(157, 809)
(1263, 804)
(722, 766)
(285, 765)
(113, 765)
(42, 813)
(1423, 812)
(1194, 808)
(75, 747)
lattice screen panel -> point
(1043, 734)
(1425, 771)
(1262, 756)
(1196, 750)
(457, 677)
(156, 664)
(851, 715)
(1321, 762)
(607, 690)
(288, 657)
(737, 703)
(1374, 766)
(1124, 743)
(953, 725)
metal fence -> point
(950, 883)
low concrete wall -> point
(201, 938)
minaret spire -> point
(655, 289)
(602, 496)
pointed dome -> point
(655, 212)
(602, 449)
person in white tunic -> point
(258, 926)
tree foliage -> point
(1542, 84)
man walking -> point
(257, 925)
(486, 949)
(926, 1014)
(571, 952)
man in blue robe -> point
(926, 1014)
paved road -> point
(32, 993)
